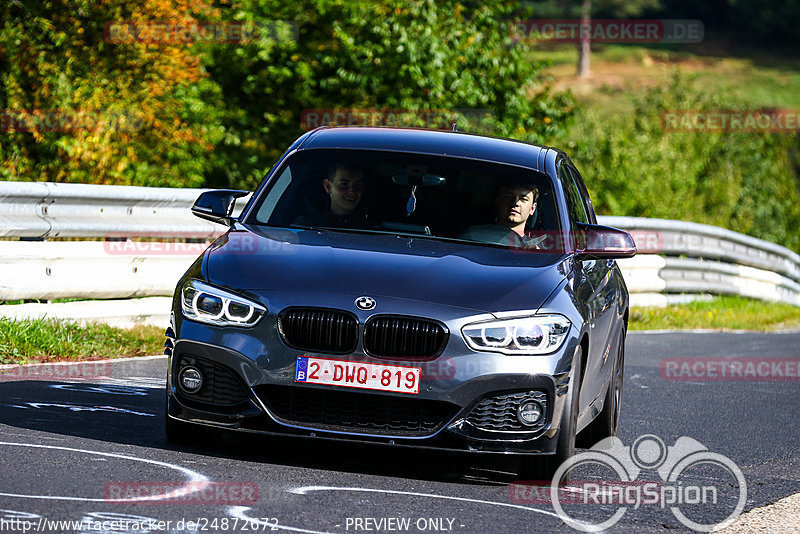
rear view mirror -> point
(217, 205)
(424, 180)
(598, 242)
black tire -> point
(606, 424)
(544, 467)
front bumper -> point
(463, 403)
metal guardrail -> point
(682, 238)
(48, 270)
(49, 210)
(677, 260)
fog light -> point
(530, 413)
(191, 379)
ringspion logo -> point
(705, 491)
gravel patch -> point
(782, 517)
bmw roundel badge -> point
(365, 303)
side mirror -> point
(217, 206)
(603, 242)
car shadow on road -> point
(134, 415)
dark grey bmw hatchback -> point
(406, 287)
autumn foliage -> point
(77, 108)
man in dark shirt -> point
(514, 204)
(345, 186)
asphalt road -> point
(69, 447)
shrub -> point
(746, 182)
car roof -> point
(434, 142)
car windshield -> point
(437, 197)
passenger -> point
(514, 203)
(345, 186)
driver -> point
(514, 203)
(345, 186)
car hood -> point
(482, 278)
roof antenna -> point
(453, 128)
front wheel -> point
(543, 467)
(606, 424)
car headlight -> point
(209, 304)
(536, 334)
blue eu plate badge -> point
(301, 371)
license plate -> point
(394, 378)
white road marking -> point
(78, 408)
(713, 331)
(195, 483)
(241, 511)
(110, 389)
(136, 381)
(635, 379)
(303, 490)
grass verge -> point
(753, 78)
(721, 313)
(43, 340)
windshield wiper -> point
(332, 229)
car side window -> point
(575, 206)
(267, 211)
(584, 194)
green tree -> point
(168, 113)
(585, 10)
(766, 21)
(416, 55)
